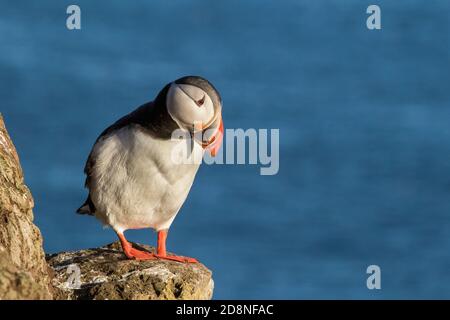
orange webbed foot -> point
(133, 253)
(177, 258)
(136, 254)
(161, 252)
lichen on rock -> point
(106, 274)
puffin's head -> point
(195, 105)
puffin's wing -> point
(88, 206)
(133, 118)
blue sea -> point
(363, 115)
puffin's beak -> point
(214, 147)
(214, 143)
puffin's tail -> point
(87, 207)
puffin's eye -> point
(201, 101)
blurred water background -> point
(364, 133)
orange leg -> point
(132, 253)
(161, 252)
(161, 243)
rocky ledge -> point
(105, 273)
(100, 273)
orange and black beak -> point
(214, 142)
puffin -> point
(135, 173)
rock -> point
(23, 270)
(105, 273)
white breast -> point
(135, 181)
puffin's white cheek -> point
(176, 99)
(202, 114)
(185, 111)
